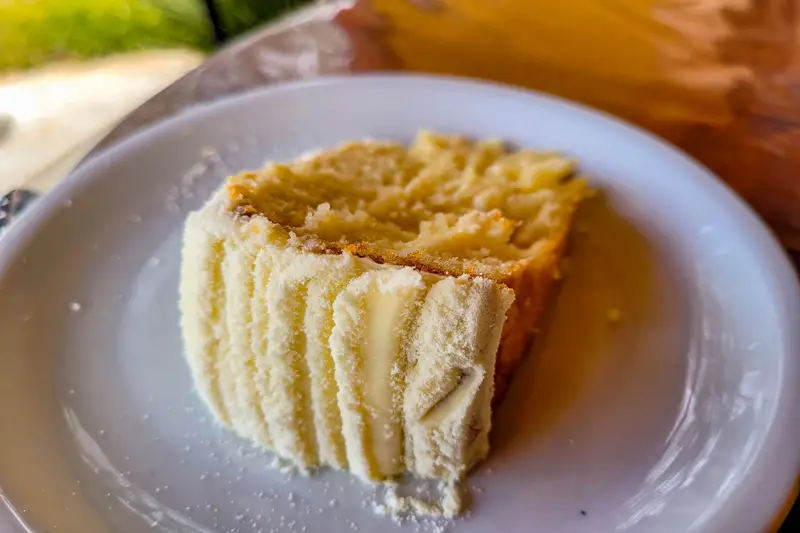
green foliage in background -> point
(36, 31)
(239, 16)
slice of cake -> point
(362, 307)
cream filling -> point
(336, 360)
(390, 306)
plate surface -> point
(681, 416)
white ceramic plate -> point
(683, 416)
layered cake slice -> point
(364, 307)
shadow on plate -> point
(611, 298)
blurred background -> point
(71, 69)
(37, 32)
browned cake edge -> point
(532, 286)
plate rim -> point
(771, 254)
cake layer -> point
(334, 359)
(444, 204)
(364, 307)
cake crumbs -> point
(75, 307)
(613, 315)
(448, 505)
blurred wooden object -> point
(719, 78)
